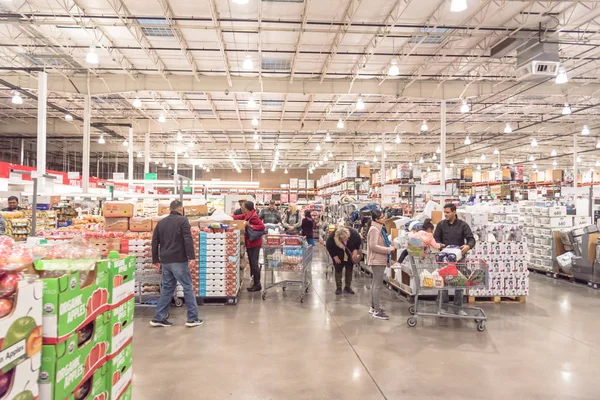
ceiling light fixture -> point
(566, 109)
(531, 157)
(434, 157)
(140, 155)
(207, 169)
(452, 164)
(438, 150)
(125, 143)
(410, 164)
(262, 170)
(254, 121)
(494, 165)
(328, 137)
(164, 165)
(465, 107)
(578, 159)
(170, 166)
(534, 143)
(186, 155)
(251, 102)
(360, 104)
(162, 119)
(553, 153)
(597, 163)
(483, 157)
(340, 124)
(428, 169)
(286, 171)
(496, 152)
(179, 137)
(424, 127)
(374, 158)
(466, 160)
(508, 128)
(330, 155)
(398, 140)
(137, 103)
(478, 167)
(367, 163)
(534, 166)
(17, 99)
(92, 57)
(326, 158)
(394, 70)
(318, 148)
(248, 64)
(378, 148)
(511, 162)
(554, 163)
(101, 140)
(468, 141)
(421, 160)
(585, 131)
(457, 6)
(598, 144)
(561, 77)
(256, 146)
(68, 117)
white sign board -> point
(73, 175)
(119, 176)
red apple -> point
(6, 306)
(8, 284)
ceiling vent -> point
(537, 60)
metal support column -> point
(575, 163)
(443, 145)
(176, 166)
(147, 151)
(41, 126)
(382, 172)
(130, 162)
(85, 163)
(22, 151)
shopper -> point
(252, 221)
(344, 247)
(270, 215)
(308, 228)
(173, 247)
(292, 220)
(453, 231)
(13, 204)
(239, 210)
(426, 237)
(379, 252)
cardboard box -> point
(364, 171)
(98, 386)
(163, 209)
(466, 174)
(121, 279)
(66, 366)
(23, 380)
(120, 372)
(196, 210)
(115, 209)
(127, 394)
(68, 303)
(560, 222)
(21, 330)
(116, 224)
(138, 224)
(120, 327)
(437, 216)
(105, 245)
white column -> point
(147, 151)
(382, 173)
(443, 145)
(41, 128)
(193, 177)
(575, 163)
(22, 151)
(175, 167)
(130, 162)
(87, 118)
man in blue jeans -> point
(172, 244)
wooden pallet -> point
(498, 299)
(217, 301)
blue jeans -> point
(310, 241)
(171, 273)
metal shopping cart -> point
(287, 254)
(429, 274)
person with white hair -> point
(343, 245)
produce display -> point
(65, 215)
(219, 262)
(17, 225)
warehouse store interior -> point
(299, 199)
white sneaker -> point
(371, 310)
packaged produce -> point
(15, 258)
(68, 366)
(20, 382)
(120, 372)
(427, 279)
(120, 327)
(121, 277)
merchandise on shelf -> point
(219, 262)
(116, 209)
(65, 215)
(18, 226)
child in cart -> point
(426, 237)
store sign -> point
(152, 176)
(118, 176)
(73, 175)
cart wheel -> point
(306, 290)
(595, 286)
(412, 322)
(264, 296)
(301, 299)
(411, 310)
(177, 302)
(283, 288)
(481, 326)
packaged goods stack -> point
(219, 273)
(195, 271)
(65, 215)
(20, 323)
(88, 322)
(117, 215)
(148, 278)
(17, 225)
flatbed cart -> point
(283, 254)
(465, 274)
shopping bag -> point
(450, 270)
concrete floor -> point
(330, 348)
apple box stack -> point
(219, 262)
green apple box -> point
(67, 366)
(95, 387)
(120, 372)
(68, 303)
(21, 330)
(128, 394)
(121, 283)
(23, 380)
(120, 327)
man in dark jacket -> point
(454, 232)
(343, 245)
(173, 247)
(251, 220)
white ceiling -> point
(318, 57)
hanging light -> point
(125, 143)
(170, 166)
(496, 152)
(554, 163)
(531, 157)
(424, 127)
(438, 166)
(360, 104)
(162, 119)
(378, 148)
(320, 162)
(248, 63)
(438, 150)
(398, 140)
(328, 137)
(451, 164)
(508, 128)
(534, 143)
(286, 171)
(465, 107)
(255, 135)
(566, 109)
(374, 158)
(367, 163)
(553, 153)
(254, 121)
(457, 6)
(92, 57)
(421, 160)
(466, 160)
(262, 170)
(186, 155)
(494, 165)
(585, 131)
(164, 165)
(179, 137)
(326, 158)
(468, 141)
(561, 77)
(17, 99)
(330, 155)
(478, 167)
(101, 140)
(578, 159)
(68, 117)
(137, 103)
(394, 70)
(410, 164)
(598, 144)
(428, 169)
(511, 162)
(251, 102)
(277, 154)
(256, 146)
(140, 155)
(434, 157)
(207, 169)
(318, 148)
(597, 163)
(340, 124)
(483, 157)
(534, 166)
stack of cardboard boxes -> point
(219, 264)
(87, 330)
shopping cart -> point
(429, 274)
(287, 254)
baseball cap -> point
(272, 201)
